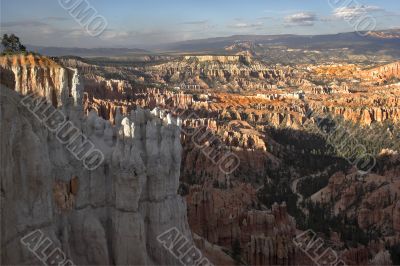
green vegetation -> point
(350, 136)
(12, 45)
(277, 189)
(311, 185)
(307, 152)
(395, 254)
(236, 250)
(334, 143)
(312, 153)
(321, 219)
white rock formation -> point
(110, 215)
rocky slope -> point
(237, 73)
(223, 216)
(384, 72)
(268, 128)
(108, 215)
(41, 75)
(106, 96)
(373, 200)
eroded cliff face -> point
(243, 123)
(236, 72)
(223, 216)
(106, 96)
(372, 201)
(383, 73)
(28, 74)
(109, 215)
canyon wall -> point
(256, 129)
(223, 216)
(236, 72)
(108, 215)
(220, 58)
(27, 74)
(383, 72)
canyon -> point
(158, 174)
(245, 123)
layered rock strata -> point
(222, 216)
(109, 215)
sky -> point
(148, 23)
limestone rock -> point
(108, 215)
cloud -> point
(301, 19)
(280, 12)
(243, 25)
(115, 34)
(265, 18)
(32, 22)
(198, 22)
(350, 12)
(24, 23)
(56, 18)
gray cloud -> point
(265, 18)
(33, 22)
(24, 23)
(198, 22)
(350, 12)
(243, 25)
(301, 19)
(56, 18)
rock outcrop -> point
(384, 72)
(106, 96)
(236, 72)
(111, 214)
(222, 216)
(266, 124)
(27, 74)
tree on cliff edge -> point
(11, 44)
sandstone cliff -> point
(27, 74)
(384, 72)
(237, 72)
(109, 215)
(243, 122)
(223, 216)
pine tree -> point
(12, 44)
(236, 249)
